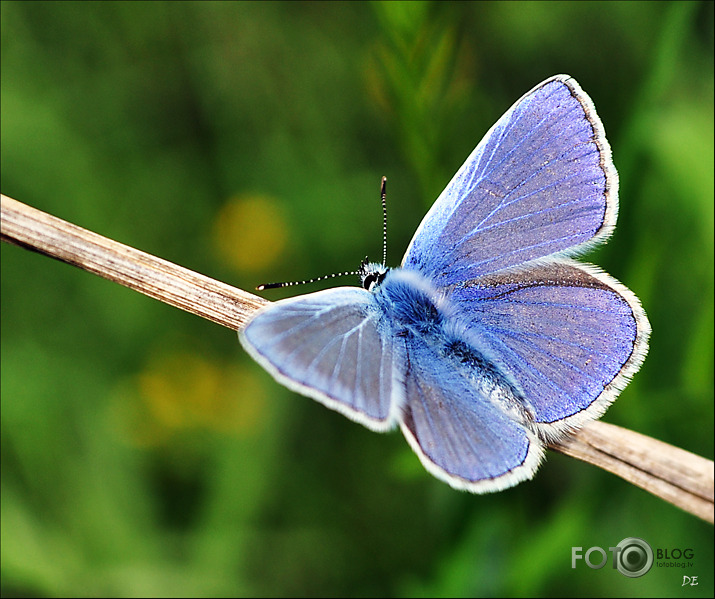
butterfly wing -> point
(541, 181)
(333, 346)
(458, 432)
(569, 334)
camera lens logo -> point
(634, 557)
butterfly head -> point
(371, 274)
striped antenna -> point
(315, 280)
(361, 271)
(383, 193)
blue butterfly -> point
(489, 341)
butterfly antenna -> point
(361, 271)
(383, 193)
(315, 280)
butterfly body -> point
(419, 314)
(488, 341)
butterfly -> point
(490, 340)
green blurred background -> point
(143, 453)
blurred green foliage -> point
(143, 454)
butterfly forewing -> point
(540, 182)
(332, 346)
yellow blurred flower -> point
(250, 232)
(180, 391)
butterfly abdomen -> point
(487, 377)
(421, 314)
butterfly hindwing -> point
(457, 428)
(569, 334)
(541, 181)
